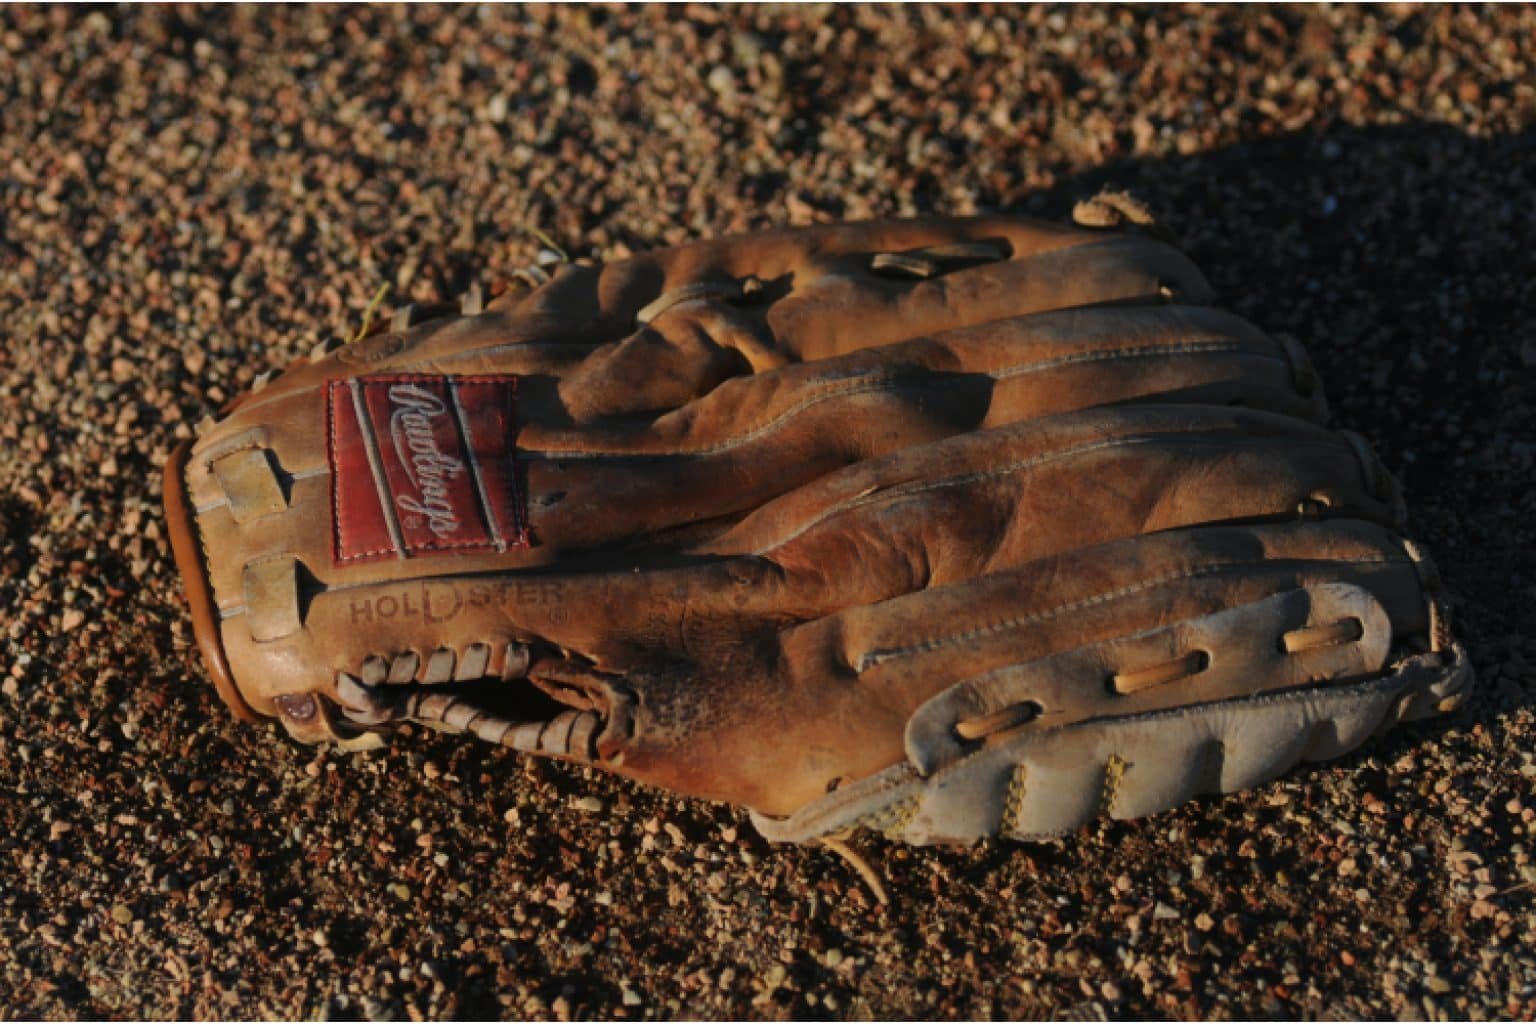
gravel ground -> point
(189, 197)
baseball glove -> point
(949, 528)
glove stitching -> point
(1349, 695)
(938, 337)
(889, 381)
(337, 557)
(1343, 700)
(809, 821)
(891, 819)
(1114, 773)
(1013, 801)
(202, 547)
(878, 495)
(866, 384)
(334, 443)
(894, 821)
(1212, 346)
(830, 813)
(822, 816)
(879, 657)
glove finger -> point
(842, 305)
(655, 331)
(649, 332)
(608, 301)
(757, 437)
(849, 685)
(573, 503)
(1005, 370)
(974, 503)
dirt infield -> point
(189, 197)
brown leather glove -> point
(952, 528)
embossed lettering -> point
(440, 601)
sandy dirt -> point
(189, 197)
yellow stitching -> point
(1013, 803)
(1114, 773)
(901, 816)
(890, 820)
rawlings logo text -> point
(422, 463)
(413, 409)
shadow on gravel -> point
(18, 524)
(1402, 257)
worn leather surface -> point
(834, 474)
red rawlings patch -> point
(423, 463)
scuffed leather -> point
(809, 495)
